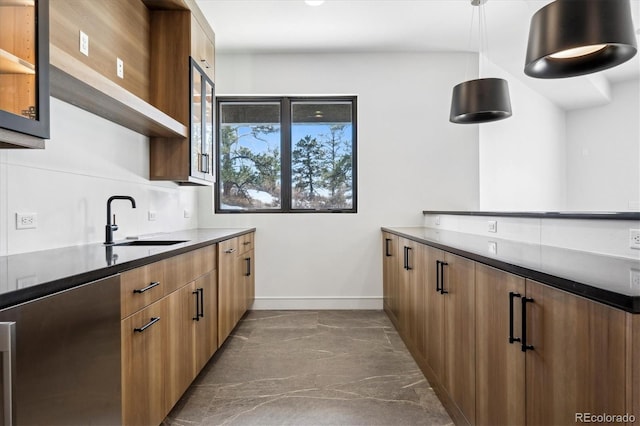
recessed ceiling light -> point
(314, 2)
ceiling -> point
(403, 26)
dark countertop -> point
(544, 215)
(602, 278)
(27, 276)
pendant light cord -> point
(466, 68)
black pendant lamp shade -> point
(480, 101)
(568, 38)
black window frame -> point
(285, 151)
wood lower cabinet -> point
(458, 281)
(236, 282)
(576, 363)
(500, 362)
(411, 295)
(391, 275)
(206, 326)
(434, 313)
(144, 357)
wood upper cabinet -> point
(182, 87)
(144, 356)
(24, 73)
(500, 362)
(391, 275)
(459, 334)
(576, 363)
(202, 48)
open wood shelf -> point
(74, 82)
(11, 64)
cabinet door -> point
(391, 275)
(206, 327)
(577, 361)
(411, 290)
(197, 118)
(227, 278)
(500, 366)
(434, 314)
(459, 335)
(202, 48)
(24, 75)
(180, 368)
(143, 365)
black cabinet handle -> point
(147, 325)
(201, 291)
(525, 346)
(438, 276)
(442, 290)
(386, 247)
(149, 287)
(405, 257)
(512, 295)
(409, 268)
(248, 260)
(197, 317)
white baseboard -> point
(294, 303)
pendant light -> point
(482, 100)
(568, 38)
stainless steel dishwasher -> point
(61, 358)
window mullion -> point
(285, 120)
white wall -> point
(67, 184)
(523, 158)
(603, 150)
(409, 158)
(607, 237)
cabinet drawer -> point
(245, 242)
(181, 270)
(140, 287)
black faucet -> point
(108, 239)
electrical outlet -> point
(152, 215)
(27, 281)
(187, 214)
(634, 279)
(493, 226)
(26, 220)
(437, 220)
(120, 67)
(634, 239)
(84, 43)
(493, 247)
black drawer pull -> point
(147, 325)
(149, 287)
(438, 276)
(525, 346)
(512, 295)
(246, 243)
(409, 268)
(231, 250)
(248, 260)
(197, 317)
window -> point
(286, 154)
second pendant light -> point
(482, 100)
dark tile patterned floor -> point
(311, 368)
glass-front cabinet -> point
(202, 124)
(24, 75)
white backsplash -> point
(609, 237)
(87, 160)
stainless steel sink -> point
(150, 243)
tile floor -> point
(311, 368)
